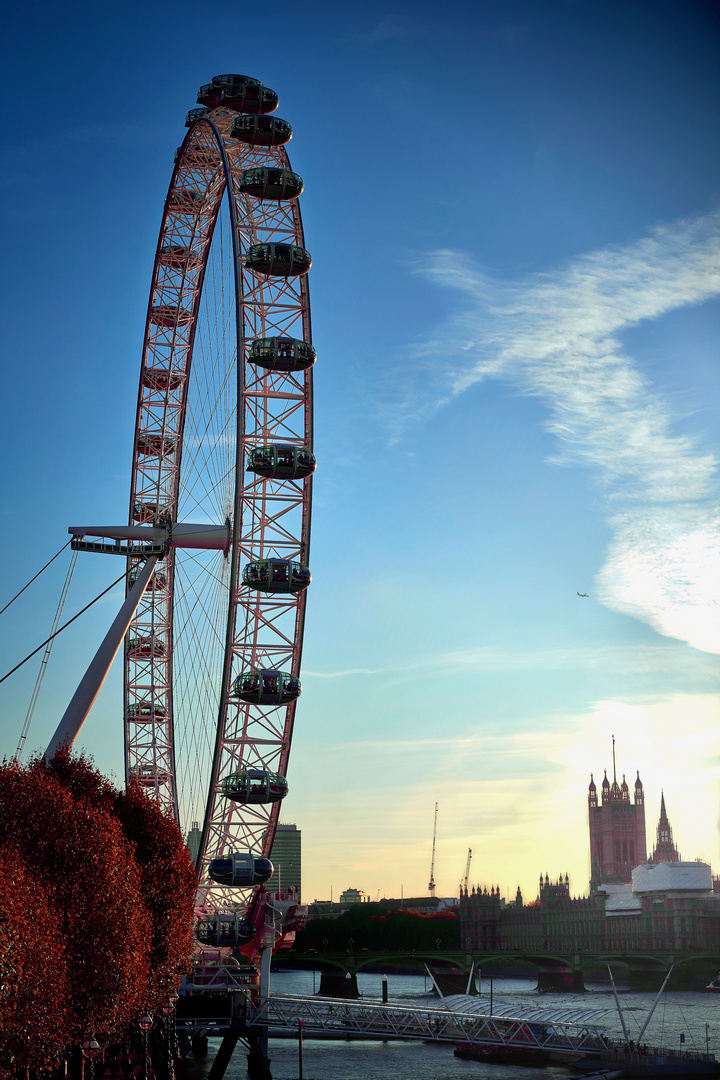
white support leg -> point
(265, 975)
(84, 697)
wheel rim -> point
(201, 408)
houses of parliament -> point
(638, 902)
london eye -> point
(219, 521)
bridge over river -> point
(645, 969)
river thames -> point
(694, 1015)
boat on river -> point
(492, 1054)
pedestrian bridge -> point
(222, 998)
(224, 1002)
(454, 1020)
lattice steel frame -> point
(271, 517)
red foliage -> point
(168, 886)
(35, 1009)
(77, 775)
(446, 913)
(114, 900)
(79, 855)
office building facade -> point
(286, 857)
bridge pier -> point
(258, 1062)
(561, 982)
(225, 1053)
(199, 1044)
(339, 986)
(646, 978)
(452, 982)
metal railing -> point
(224, 977)
(617, 1052)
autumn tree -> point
(168, 883)
(35, 1005)
(112, 893)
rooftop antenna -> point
(431, 883)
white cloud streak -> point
(626, 658)
(555, 335)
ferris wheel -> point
(219, 527)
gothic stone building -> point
(617, 831)
(660, 905)
(659, 913)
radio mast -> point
(431, 883)
(464, 882)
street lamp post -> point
(168, 1009)
(90, 1050)
(145, 1023)
(300, 1049)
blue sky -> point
(513, 213)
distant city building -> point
(352, 896)
(617, 830)
(324, 909)
(426, 905)
(660, 904)
(193, 840)
(672, 878)
(669, 907)
(664, 850)
(286, 857)
(447, 902)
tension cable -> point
(34, 578)
(46, 657)
(81, 612)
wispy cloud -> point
(113, 132)
(23, 165)
(556, 336)
(388, 28)
(342, 674)
(663, 567)
(638, 659)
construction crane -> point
(464, 882)
(431, 883)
